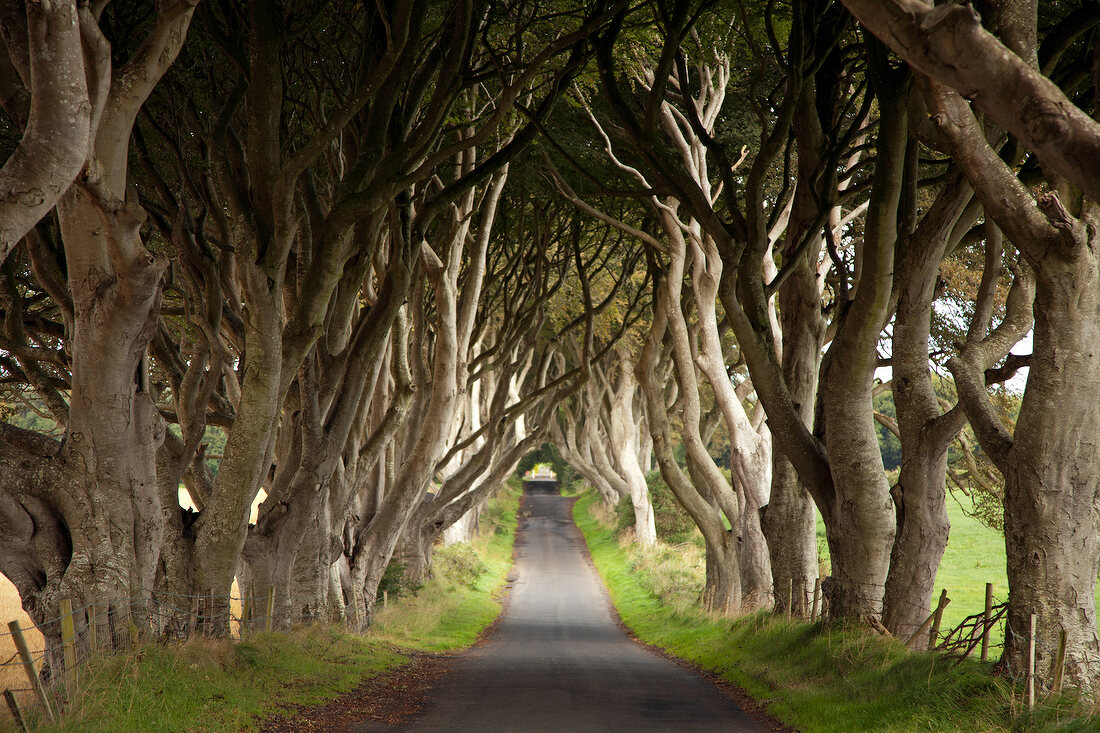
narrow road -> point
(558, 662)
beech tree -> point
(340, 184)
(1050, 472)
(95, 489)
(53, 92)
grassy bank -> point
(208, 685)
(841, 679)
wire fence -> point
(41, 675)
(48, 671)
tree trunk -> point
(309, 589)
(698, 495)
(791, 535)
(925, 433)
(722, 591)
(624, 443)
(756, 567)
(1052, 481)
(465, 529)
(55, 141)
(112, 503)
(414, 554)
(923, 527)
(222, 527)
(788, 519)
(860, 521)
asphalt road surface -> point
(558, 662)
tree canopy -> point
(360, 259)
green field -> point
(975, 556)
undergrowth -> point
(816, 678)
(219, 685)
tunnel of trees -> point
(342, 256)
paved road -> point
(558, 662)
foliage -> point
(673, 523)
(548, 453)
(458, 565)
(888, 443)
(30, 416)
(394, 584)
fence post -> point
(1059, 664)
(816, 600)
(270, 622)
(28, 667)
(1031, 665)
(13, 707)
(790, 597)
(93, 628)
(192, 618)
(935, 630)
(985, 620)
(246, 608)
(68, 644)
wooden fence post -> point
(13, 707)
(790, 597)
(1031, 665)
(68, 644)
(28, 667)
(246, 608)
(93, 628)
(1059, 664)
(192, 618)
(985, 620)
(938, 617)
(816, 600)
(270, 621)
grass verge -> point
(214, 685)
(811, 677)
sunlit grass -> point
(214, 685)
(458, 602)
(975, 556)
(814, 678)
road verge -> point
(811, 677)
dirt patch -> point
(390, 699)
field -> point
(11, 675)
(975, 556)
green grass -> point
(208, 685)
(453, 608)
(220, 685)
(812, 677)
(975, 556)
